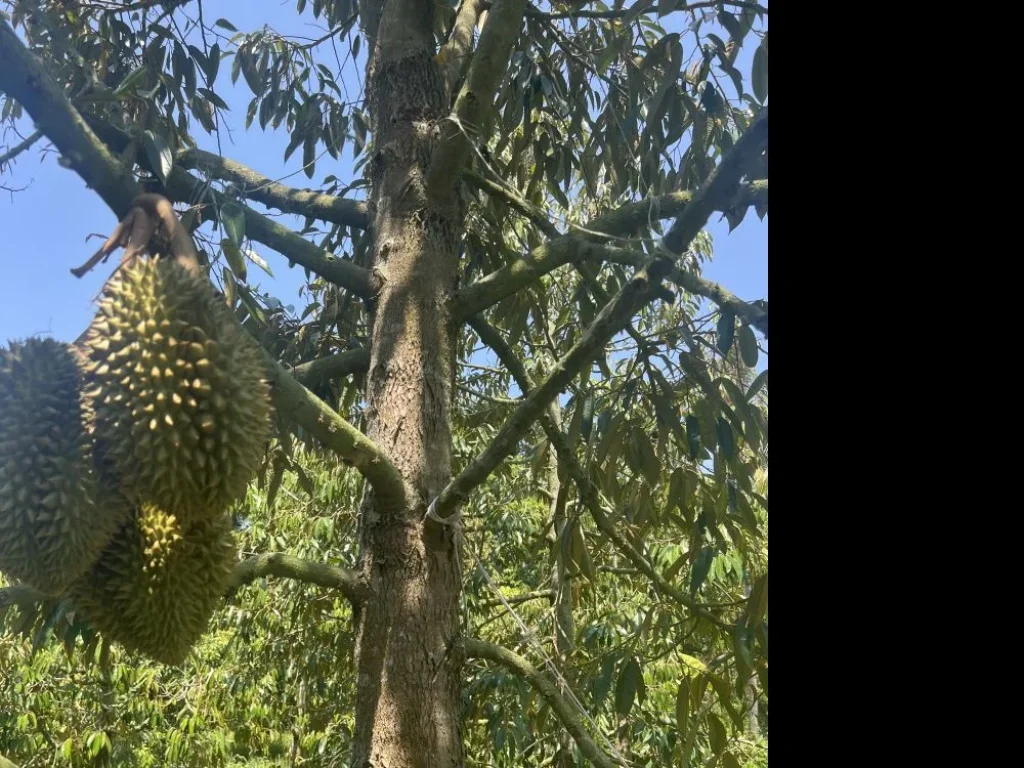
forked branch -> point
(643, 288)
(512, 661)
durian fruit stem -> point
(136, 229)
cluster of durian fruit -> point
(121, 457)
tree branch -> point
(545, 594)
(20, 147)
(472, 111)
(183, 187)
(312, 374)
(650, 7)
(588, 492)
(527, 209)
(294, 401)
(576, 249)
(628, 218)
(350, 583)
(256, 186)
(512, 278)
(23, 78)
(455, 53)
(643, 288)
(478, 649)
(719, 187)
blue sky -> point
(43, 228)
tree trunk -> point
(408, 686)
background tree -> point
(516, 509)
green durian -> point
(179, 389)
(56, 514)
(155, 587)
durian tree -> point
(508, 354)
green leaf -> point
(159, 154)
(759, 73)
(725, 438)
(757, 384)
(225, 24)
(701, 569)
(355, 46)
(588, 415)
(683, 706)
(646, 457)
(717, 732)
(232, 218)
(731, 24)
(757, 603)
(579, 552)
(212, 64)
(131, 81)
(250, 73)
(230, 287)
(729, 761)
(693, 435)
(235, 258)
(726, 330)
(214, 98)
(630, 685)
(603, 683)
(259, 261)
(748, 346)
(252, 305)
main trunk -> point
(408, 688)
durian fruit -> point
(56, 515)
(157, 584)
(178, 389)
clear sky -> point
(43, 227)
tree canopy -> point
(515, 507)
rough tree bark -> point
(409, 669)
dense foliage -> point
(643, 600)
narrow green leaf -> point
(757, 384)
(726, 330)
(132, 80)
(645, 455)
(757, 604)
(232, 218)
(603, 683)
(748, 346)
(588, 416)
(355, 46)
(159, 154)
(225, 24)
(726, 442)
(230, 287)
(631, 680)
(718, 735)
(693, 435)
(683, 706)
(258, 260)
(235, 258)
(759, 73)
(212, 64)
(252, 305)
(701, 568)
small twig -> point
(17, 149)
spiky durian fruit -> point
(56, 515)
(178, 388)
(157, 584)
